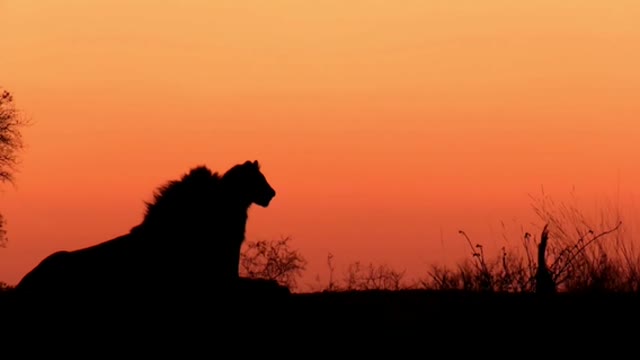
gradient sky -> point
(385, 127)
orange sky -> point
(385, 127)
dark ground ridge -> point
(357, 319)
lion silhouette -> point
(187, 244)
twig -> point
(584, 246)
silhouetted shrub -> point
(373, 277)
(11, 143)
(272, 260)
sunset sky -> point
(384, 126)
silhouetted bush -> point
(272, 260)
(11, 144)
(373, 277)
(359, 277)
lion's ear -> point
(255, 162)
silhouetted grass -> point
(584, 255)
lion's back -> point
(46, 276)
